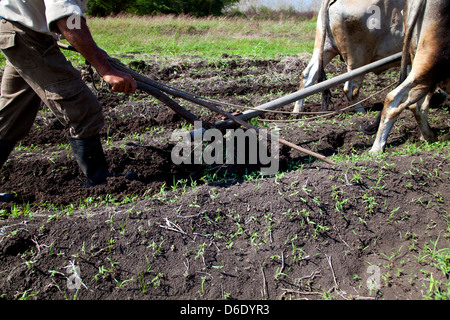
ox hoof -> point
(375, 151)
(360, 109)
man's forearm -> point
(81, 39)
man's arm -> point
(81, 39)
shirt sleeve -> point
(58, 9)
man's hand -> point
(120, 81)
(81, 39)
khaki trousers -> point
(35, 71)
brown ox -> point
(361, 32)
(427, 42)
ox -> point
(346, 28)
(427, 45)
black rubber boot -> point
(91, 159)
(5, 150)
(6, 197)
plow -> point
(162, 92)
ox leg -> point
(309, 77)
(420, 111)
(311, 74)
(404, 96)
(351, 90)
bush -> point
(108, 7)
(193, 7)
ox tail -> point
(406, 57)
(325, 18)
(372, 128)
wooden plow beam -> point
(304, 93)
(144, 81)
(160, 92)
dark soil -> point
(224, 232)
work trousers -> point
(35, 71)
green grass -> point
(133, 37)
(206, 38)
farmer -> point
(36, 71)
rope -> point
(321, 114)
(330, 113)
(117, 62)
(222, 103)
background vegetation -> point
(168, 36)
(262, 33)
(193, 7)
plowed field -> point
(366, 228)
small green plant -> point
(156, 281)
(336, 194)
(24, 210)
(110, 243)
(370, 201)
(142, 282)
(156, 248)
